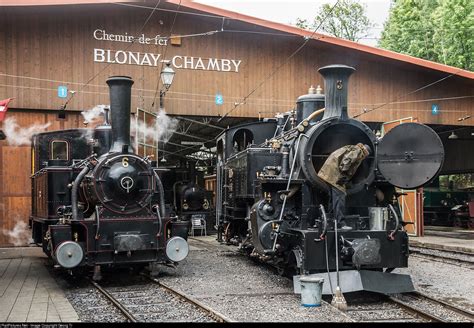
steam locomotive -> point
(97, 203)
(185, 193)
(274, 205)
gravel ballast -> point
(240, 288)
(247, 291)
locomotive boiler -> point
(184, 192)
(274, 204)
(96, 202)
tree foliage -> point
(346, 20)
(438, 30)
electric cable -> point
(281, 65)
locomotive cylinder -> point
(120, 100)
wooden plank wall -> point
(56, 44)
(15, 169)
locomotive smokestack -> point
(336, 80)
(120, 100)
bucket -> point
(311, 291)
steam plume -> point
(21, 136)
(161, 130)
(19, 235)
(92, 118)
(94, 115)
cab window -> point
(59, 150)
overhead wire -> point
(256, 101)
(281, 65)
(164, 55)
(108, 64)
(407, 94)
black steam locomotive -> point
(274, 205)
(97, 203)
(185, 193)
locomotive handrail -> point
(391, 236)
(325, 223)
(162, 193)
(159, 220)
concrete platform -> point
(27, 291)
(444, 243)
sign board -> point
(62, 91)
(219, 99)
(434, 109)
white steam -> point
(20, 235)
(94, 115)
(161, 130)
(21, 136)
(92, 118)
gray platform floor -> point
(448, 243)
(28, 293)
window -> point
(59, 150)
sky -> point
(288, 11)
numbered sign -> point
(219, 99)
(62, 91)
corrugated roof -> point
(271, 25)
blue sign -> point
(62, 91)
(219, 99)
(434, 109)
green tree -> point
(438, 30)
(346, 20)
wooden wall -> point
(15, 169)
(57, 44)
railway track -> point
(443, 256)
(439, 309)
(412, 307)
(147, 303)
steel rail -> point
(214, 314)
(464, 312)
(442, 259)
(114, 301)
(416, 311)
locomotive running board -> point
(353, 280)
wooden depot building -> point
(230, 68)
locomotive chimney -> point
(120, 100)
(336, 79)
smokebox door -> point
(410, 155)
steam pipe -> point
(284, 161)
(161, 190)
(75, 188)
(120, 100)
(336, 80)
